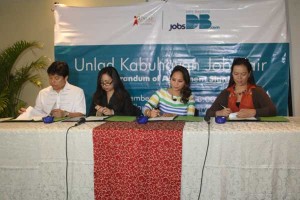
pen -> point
(223, 106)
(155, 108)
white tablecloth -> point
(33, 161)
(246, 160)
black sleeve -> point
(128, 106)
(137, 111)
(121, 105)
(92, 111)
(131, 109)
(222, 99)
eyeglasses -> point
(106, 83)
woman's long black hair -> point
(185, 91)
(247, 64)
(119, 88)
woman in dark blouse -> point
(111, 97)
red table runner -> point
(137, 161)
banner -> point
(145, 41)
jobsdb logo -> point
(201, 21)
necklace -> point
(240, 93)
(174, 98)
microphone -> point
(173, 98)
(207, 119)
(80, 121)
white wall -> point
(294, 26)
(33, 20)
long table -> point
(246, 160)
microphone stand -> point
(80, 121)
(207, 119)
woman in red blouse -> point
(242, 95)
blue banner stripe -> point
(146, 68)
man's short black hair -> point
(58, 68)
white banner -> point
(145, 41)
(212, 22)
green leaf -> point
(14, 77)
(3, 99)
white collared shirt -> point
(70, 98)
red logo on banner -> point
(135, 21)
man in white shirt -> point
(60, 99)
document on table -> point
(95, 118)
(87, 119)
(5, 119)
(233, 117)
(31, 114)
(161, 118)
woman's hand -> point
(244, 113)
(100, 110)
(103, 111)
(152, 113)
(107, 111)
(224, 112)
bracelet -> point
(66, 114)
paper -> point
(72, 119)
(233, 116)
(161, 118)
(31, 114)
(5, 119)
(88, 119)
(95, 118)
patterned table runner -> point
(138, 161)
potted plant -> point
(13, 78)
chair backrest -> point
(196, 112)
(136, 111)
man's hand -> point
(22, 110)
(57, 113)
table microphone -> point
(80, 121)
(207, 119)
